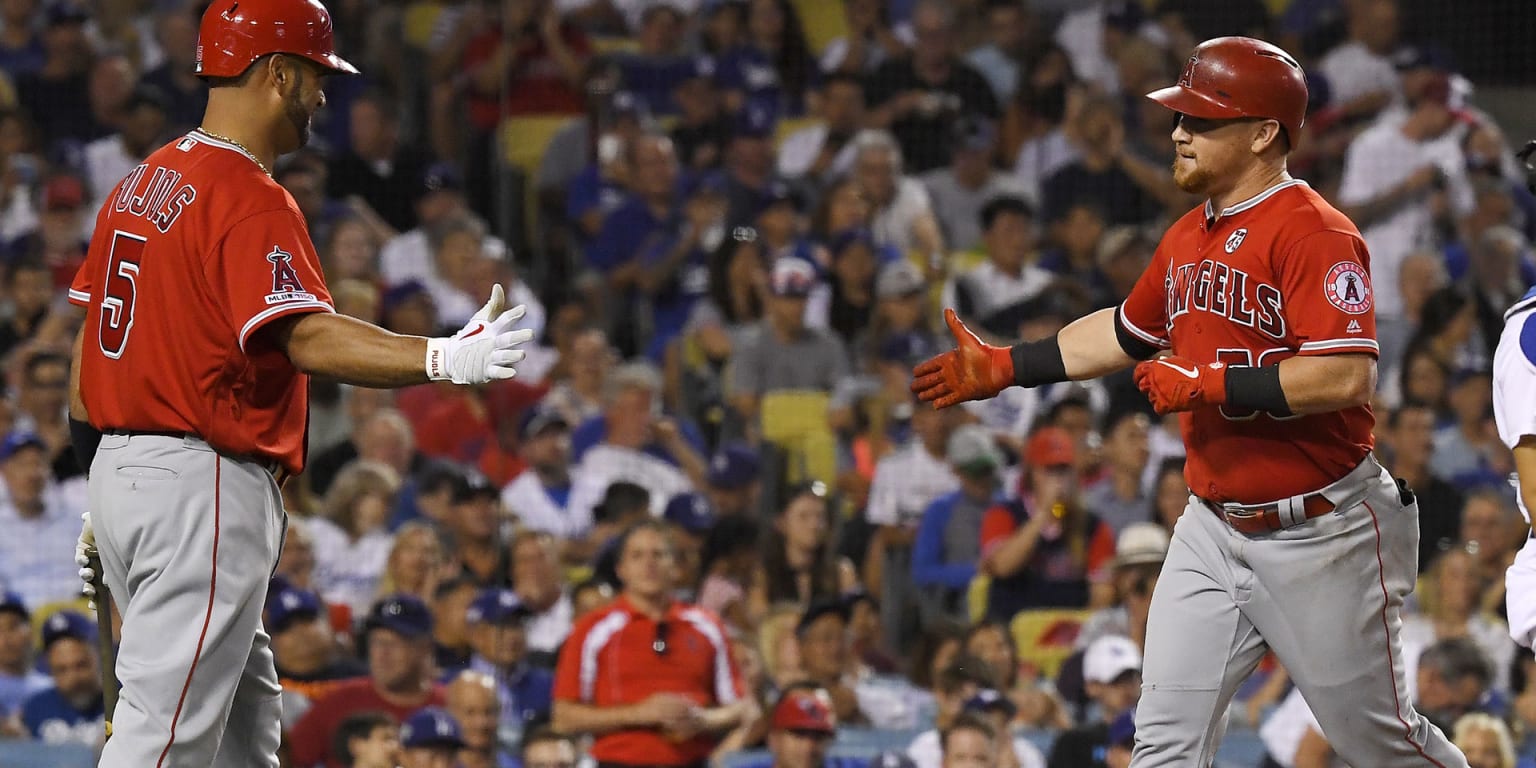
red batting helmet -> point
(235, 33)
(1240, 77)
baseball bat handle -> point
(104, 641)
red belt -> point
(1265, 518)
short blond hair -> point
(1479, 721)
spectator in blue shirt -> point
(676, 270)
(21, 48)
(597, 190)
(773, 69)
(70, 712)
(749, 166)
(500, 642)
(948, 544)
(658, 64)
(18, 679)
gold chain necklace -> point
(243, 149)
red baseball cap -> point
(805, 710)
(1050, 447)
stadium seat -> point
(524, 139)
(823, 22)
(420, 18)
(1044, 637)
(37, 755)
(796, 421)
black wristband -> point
(83, 440)
(1038, 362)
(1257, 389)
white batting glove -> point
(85, 548)
(483, 350)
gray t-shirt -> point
(1115, 511)
(813, 361)
(958, 208)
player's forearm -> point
(728, 716)
(1326, 383)
(1090, 347)
(352, 351)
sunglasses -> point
(1199, 125)
(659, 643)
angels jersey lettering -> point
(1280, 275)
(180, 277)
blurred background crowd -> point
(734, 223)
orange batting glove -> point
(973, 370)
(1179, 384)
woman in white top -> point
(351, 537)
(1448, 607)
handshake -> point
(484, 349)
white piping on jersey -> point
(1526, 302)
(266, 313)
(1314, 346)
(597, 639)
(197, 135)
(79, 296)
(725, 685)
(1210, 210)
(1155, 341)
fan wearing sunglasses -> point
(651, 678)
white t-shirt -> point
(526, 498)
(1283, 731)
(800, 149)
(606, 464)
(37, 555)
(1491, 636)
(926, 751)
(346, 571)
(892, 225)
(547, 630)
(905, 483)
(1039, 159)
(1353, 71)
(106, 163)
(1381, 159)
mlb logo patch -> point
(1348, 288)
(186, 144)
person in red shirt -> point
(1045, 549)
(1255, 323)
(398, 634)
(651, 678)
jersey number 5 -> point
(1246, 358)
(121, 291)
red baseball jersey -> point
(1280, 275)
(194, 253)
(619, 656)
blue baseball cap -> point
(431, 727)
(780, 192)
(537, 419)
(396, 295)
(11, 602)
(402, 614)
(710, 183)
(626, 103)
(442, 175)
(68, 624)
(497, 606)
(754, 122)
(989, 700)
(691, 512)
(289, 605)
(734, 466)
(19, 439)
(702, 68)
(905, 348)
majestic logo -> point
(1354, 327)
(284, 278)
(1236, 240)
(1348, 288)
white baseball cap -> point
(1110, 657)
(1141, 544)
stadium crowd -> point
(733, 223)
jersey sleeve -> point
(1144, 313)
(265, 268)
(1325, 278)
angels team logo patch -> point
(1349, 288)
(285, 279)
(1236, 239)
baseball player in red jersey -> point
(206, 312)
(1254, 322)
